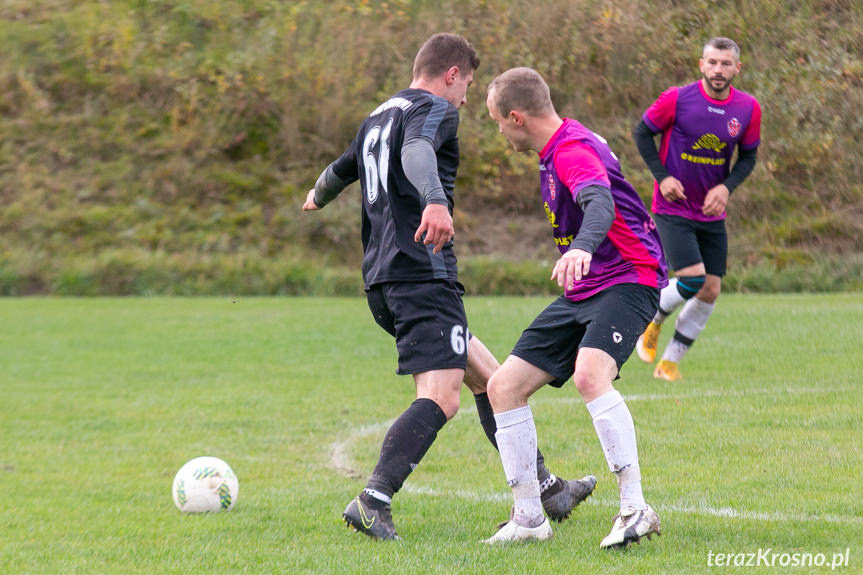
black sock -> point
(489, 425)
(486, 416)
(405, 444)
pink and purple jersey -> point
(698, 139)
(573, 159)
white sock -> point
(669, 300)
(693, 318)
(675, 350)
(616, 431)
(516, 442)
(690, 323)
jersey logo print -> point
(734, 127)
(550, 215)
(709, 142)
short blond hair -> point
(521, 89)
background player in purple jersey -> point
(405, 155)
(611, 268)
(701, 125)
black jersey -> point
(392, 206)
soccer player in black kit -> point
(406, 155)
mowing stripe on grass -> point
(340, 457)
(342, 462)
(701, 509)
(710, 393)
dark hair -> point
(441, 52)
(521, 89)
(720, 43)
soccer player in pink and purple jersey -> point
(701, 125)
(611, 268)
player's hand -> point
(716, 200)
(310, 205)
(437, 226)
(571, 267)
(671, 189)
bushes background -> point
(166, 147)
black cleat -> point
(563, 496)
(371, 516)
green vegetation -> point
(105, 398)
(166, 147)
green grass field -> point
(104, 399)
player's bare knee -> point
(502, 392)
(475, 381)
(493, 388)
(449, 406)
(588, 384)
(709, 293)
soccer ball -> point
(205, 484)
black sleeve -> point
(742, 168)
(644, 140)
(598, 206)
(345, 167)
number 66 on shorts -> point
(428, 321)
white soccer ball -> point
(205, 484)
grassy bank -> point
(172, 137)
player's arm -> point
(419, 163)
(646, 143)
(332, 181)
(747, 152)
(597, 204)
(427, 127)
(717, 196)
(326, 189)
(742, 168)
(669, 186)
(582, 171)
(659, 117)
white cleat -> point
(512, 531)
(630, 525)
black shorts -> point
(688, 242)
(611, 320)
(428, 321)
